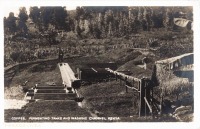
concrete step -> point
(50, 87)
(55, 96)
(51, 91)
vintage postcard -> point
(96, 63)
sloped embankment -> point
(109, 99)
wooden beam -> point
(148, 104)
(132, 88)
(94, 70)
(122, 75)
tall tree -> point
(23, 17)
(79, 12)
(59, 17)
(96, 31)
(134, 22)
(5, 24)
(46, 14)
(35, 14)
(168, 18)
(11, 23)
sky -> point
(15, 9)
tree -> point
(46, 14)
(78, 30)
(71, 24)
(96, 32)
(23, 17)
(5, 24)
(35, 14)
(11, 23)
(135, 26)
(108, 20)
(79, 12)
(87, 10)
(157, 17)
(134, 22)
(121, 27)
(58, 17)
(168, 19)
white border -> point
(142, 125)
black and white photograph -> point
(98, 64)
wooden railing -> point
(144, 88)
(124, 76)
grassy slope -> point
(109, 99)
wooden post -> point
(139, 83)
(144, 92)
(126, 87)
(152, 93)
(147, 93)
(145, 106)
(142, 101)
(152, 98)
(78, 72)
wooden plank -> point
(132, 88)
(94, 70)
(148, 104)
(142, 101)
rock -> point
(183, 113)
(182, 109)
(98, 113)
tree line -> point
(97, 22)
